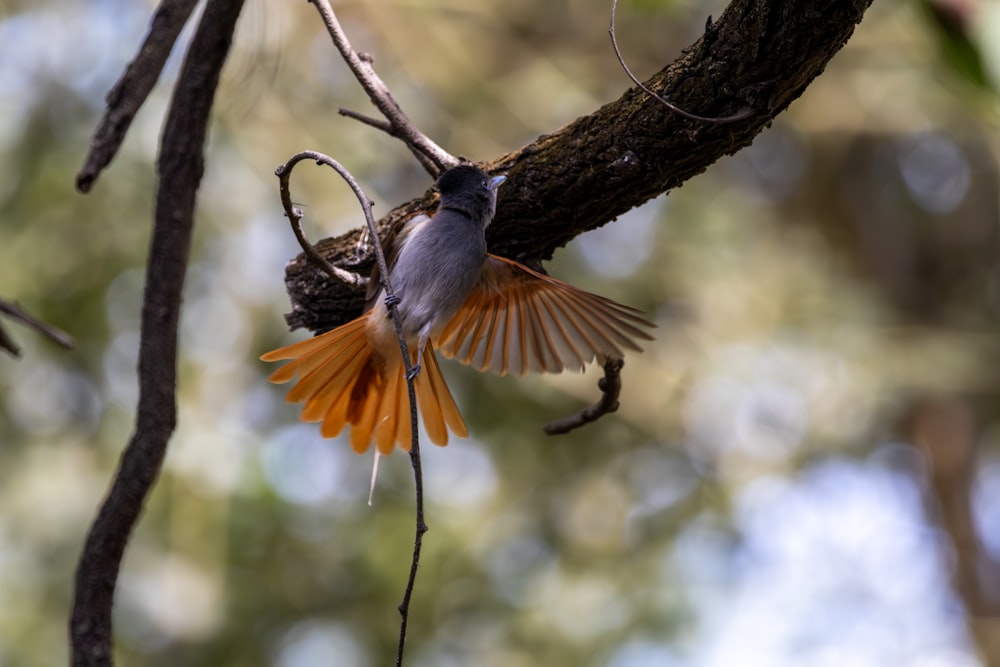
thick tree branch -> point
(739, 115)
(761, 53)
(181, 164)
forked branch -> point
(434, 158)
(180, 166)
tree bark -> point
(180, 166)
(760, 54)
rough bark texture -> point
(760, 53)
(181, 165)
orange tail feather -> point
(342, 379)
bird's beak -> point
(496, 181)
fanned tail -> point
(342, 379)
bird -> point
(455, 298)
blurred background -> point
(805, 469)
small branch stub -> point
(611, 388)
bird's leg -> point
(415, 369)
(421, 344)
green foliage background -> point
(755, 499)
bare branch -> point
(180, 167)
(611, 388)
(596, 168)
(383, 125)
(418, 143)
(284, 173)
(16, 313)
(132, 89)
(746, 112)
(294, 215)
(387, 127)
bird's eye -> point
(484, 184)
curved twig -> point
(294, 215)
(418, 143)
(284, 175)
(611, 388)
(134, 86)
(745, 112)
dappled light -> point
(774, 487)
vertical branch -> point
(948, 433)
(421, 528)
(284, 174)
(181, 165)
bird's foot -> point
(413, 372)
(391, 300)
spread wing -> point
(517, 320)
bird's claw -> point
(413, 372)
(391, 300)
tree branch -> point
(132, 89)
(16, 313)
(760, 53)
(284, 173)
(181, 165)
(294, 214)
(739, 115)
(426, 151)
(611, 388)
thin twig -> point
(745, 112)
(180, 166)
(377, 123)
(132, 89)
(8, 345)
(387, 127)
(15, 312)
(284, 174)
(378, 93)
(294, 215)
(610, 386)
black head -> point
(469, 189)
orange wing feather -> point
(517, 320)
